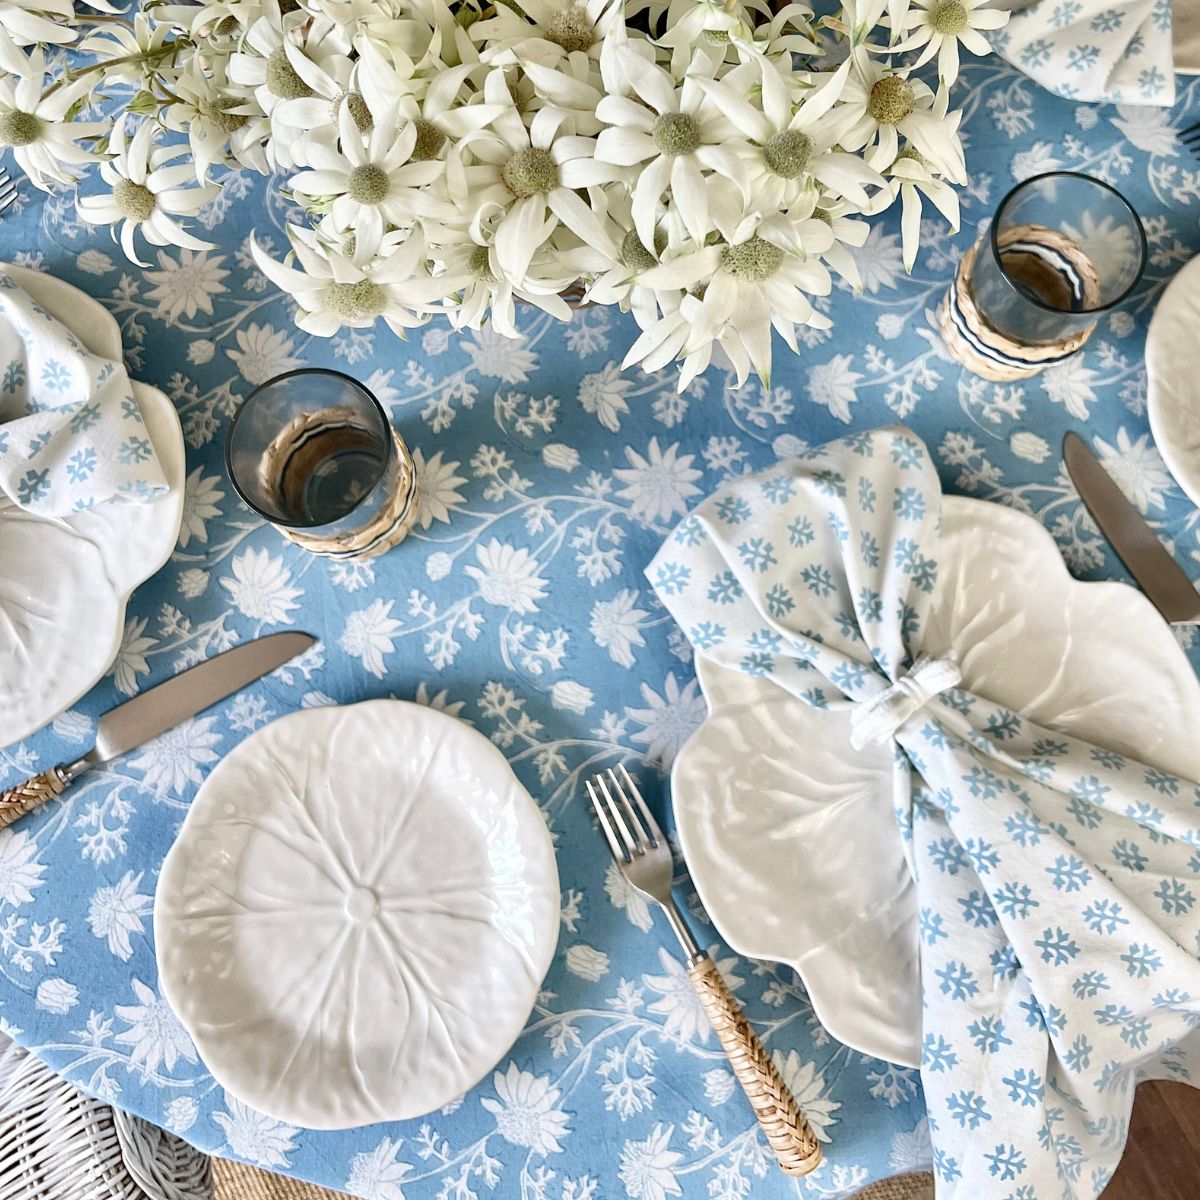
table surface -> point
(542, 460)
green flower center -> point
(820, 214)
(570, 28)
(676, 134)
(135, 200)
(479, 264)
(915, 154)
(787, 154)
(529, 172)
(634, 255)
(752, 261)
(430, 140)
(218, 114)
(716, 37)
(282, 80)
(19, 129)
(356, 301)
(892, 99)
(359, 111)
(368, 184)
(950, 17)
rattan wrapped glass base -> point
(983, 349)
(389, 528)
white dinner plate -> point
(357, 915)
(788, 833)
(66, 580)
(1172, 367)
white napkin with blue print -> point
(71, 430)
(1103, 51)
(1058, 882)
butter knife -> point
(129, 725)
(1136, 544)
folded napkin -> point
(71, 431)
(1058, 883)
(1116, 51)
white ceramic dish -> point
(65, 582)
(1173, 399)
(788, 833)
(357, 915)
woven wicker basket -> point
(58, 1144)
(899, 1187)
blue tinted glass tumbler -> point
(313, 452)
(1062, 250)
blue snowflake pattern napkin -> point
(1057, 881)
(1116, 51)
(71, 430)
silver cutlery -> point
(8, 189)
(1190, 137)
(129, 725)
(1154, 570)
(643, 856)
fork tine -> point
(614, 812)
(617, 853)
(631, 817)
(648, 820)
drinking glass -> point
(313, 452)
(1063, 248)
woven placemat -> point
(899, 1187)
(237, 1181)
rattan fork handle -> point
(782, 1120)
(32, 793)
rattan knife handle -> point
(782, 1119)
(32, 793)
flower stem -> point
(151, 56)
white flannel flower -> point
(483, 296)
(219, 122)
(940, 25)
(676, 135)
(519, 182)
(911, 177)
(789, 146)
(32, 118)
(147, 192)
(549, 30)
(372, 178)
(271, 63)
(28, 22)
(748, 287)
(879, 106)
(379, 279)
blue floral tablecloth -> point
(548, 480)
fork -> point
(644, 858)
(1190, 137)
(8, 189)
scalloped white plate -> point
(65, 581)
(357, 915)
(1172, 399)
(788, 833)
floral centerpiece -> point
(704, 164)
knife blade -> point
(1137, 546)
(156, 710)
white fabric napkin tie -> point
(876, 720)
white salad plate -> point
(1173, 400)
(789, 833)
(357, 915)
(66, 580)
